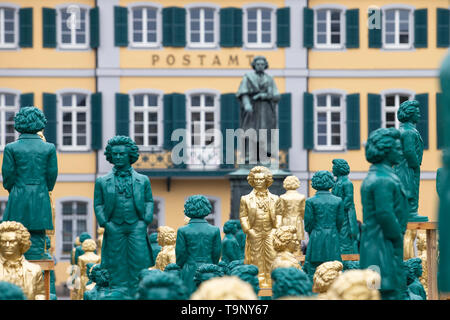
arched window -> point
(146, 119)
(8, 108)
(74, 121)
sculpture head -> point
(383, 144)
(259, 63)
(285, 239)
(9, 291)
(173, 268)
(224, 288)
(340, 167)
(290, 282)
(233, 264)
(223, 265)
(260, 178)
(161, 286)
(197, 206)
(14, 240)
(100, 276)
(89, 245)
(414, 266)
(409, 111)
(29, 120)
(167, 236)
(355, 285)
(237, 222)
(121, 151)
(249, 274)
(207, 271)
(322, 180)
(84, 236)
(325, 275)
(230, 227)
(291, 183)
(147, 272)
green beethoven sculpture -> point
(343, 188)
(230, 246)
(161, 286)
(408, 170)
(9, 291)
(198, 242)
(324, 217)
(79, 249)
(259, 96)
(123, 205)
(29, 172)
(240, 237)
(205, 272)
(102, 279)
(385, 213)
(414, 272)
(247, 273)
(290, 282)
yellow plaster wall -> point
(363, 86)
(38, 57)
(371, 58)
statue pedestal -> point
(240, 186)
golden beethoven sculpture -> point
(291, 207)
(325, 275)
(167, 237)
(88, 246)
(14, 268)
(224, 288)
(355, 285)
(286, 244)
(257, 216)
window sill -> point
(389, 48)
(329, 149)
(9, 48)
(191, 46)
(248, 46)
(148, 46)
(75, 150)
(330, 48)
(63, 48)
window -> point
(391, 104)
(328, 119)
(153, 227)
(214, 217)
(8, 26)
(329, 26)
(260, 23)
(202, 27)
(74, 117)
(74, 222)
(73, 31)
(397, 28)
(2, 208)
(8, 108)
(146, 119)
(145, 27)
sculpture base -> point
(240, 187)
(414, 217)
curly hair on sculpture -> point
(197, 206)
(380, 143)
(20, 230)
(29, 120)
(133, 149)
(260, 169)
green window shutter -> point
(167, 121)
(375, 35)
(230, 27)
(284, 121)
(96, 121)
(26, 100)
(422, 125)
(283, 27)
(373, 112)
(420, 28)
(94, 27)
(308, 27)
(174, 27)
(352, 28)
(353, 127)
(179, 118)
(26, 27)
(443, 28)
(50, 131)
(49, 28)
(229, 119)
(120, 26)
(122, 114)
(308, 121)
(439, 121)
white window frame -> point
(142, 45)
(202, 110)
(216, 18)
(15, 44)
(90, 223)
(72, 46)
(398, 45)
(329, 45)
(2, 111)
(74, 109)
(328, 110)
(160, 95)
(384, 108)
(273, 25)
